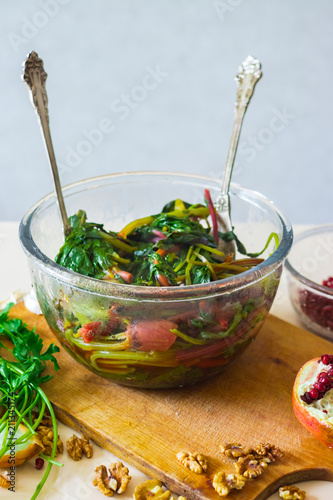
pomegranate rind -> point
(32, 450)
(321, 429)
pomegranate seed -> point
(314, 393)
(319, 386)
(325, 411)
(308, 398)
(330, 372)
(328, 282)
(39, 463)
(320, 395)
(318, 309)
(324, 380)
(325, 359)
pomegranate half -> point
(313, 398)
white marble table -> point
(73, 481)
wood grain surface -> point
(249, 403)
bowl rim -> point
(300, 277)
(103, 288)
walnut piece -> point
(101, 480)
(250, 467)
(235, 450)
(267, 452)
(76, 445)
(46, 420)
(151, 490)
(5, 480)
(74, 448)
(87, 447)
(119, 473)
(291, 493)
(194, 461)
(45, 434)
(116, 481)
(223, 483)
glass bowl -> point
(310, 263)
(219, 319)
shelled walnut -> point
(115, 481)
(101, 480)
(152, 490)
(46, 434)
(46, 420)
(194, 461)
(74, 448)
(5, 480)
(86, 447)
(267, 452)
(264, 451)
(223, 483)
(250, 467)
(76, 445)
(235, 450)
(119, 475)
(291, 493)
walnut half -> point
(250, 467)
(101, 480)
(4, 480)
(267, 452)
(75, 447)
(291, 493)
(223, 483)
(46, 420)
(235, 450)
(119, 473)
(116, 481)
(86, 447)
(45, 434)
(151, 489)
(194, 461)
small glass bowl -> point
(227, 314)
(310, 263)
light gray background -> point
(98, 52)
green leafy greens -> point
(20, 380)
(178, 246)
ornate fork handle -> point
(249, 74)
(35, 77)
(247, 77)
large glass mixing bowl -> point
(219, 319)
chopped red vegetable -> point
(152, 335)
(212, 212)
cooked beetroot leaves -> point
(178, 246)
(159, 343)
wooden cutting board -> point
(249, 403)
